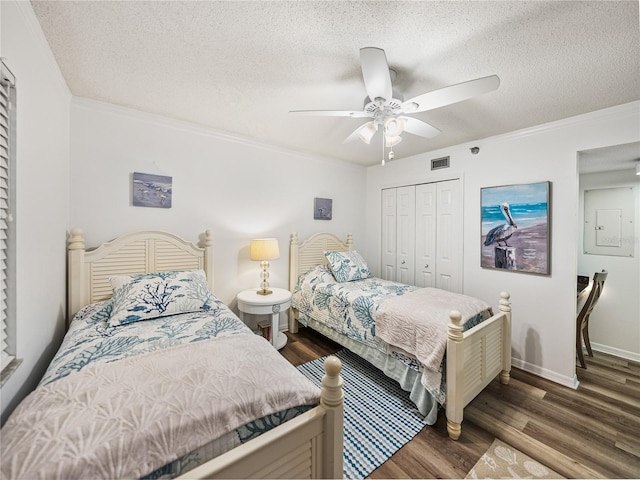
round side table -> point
(249, 301)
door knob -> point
(403, 262)
(426, 266)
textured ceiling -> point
(240, 67)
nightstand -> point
(279, 301)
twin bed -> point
(163, 380)
(157, 378)
(402, 330)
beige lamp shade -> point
(264, 249)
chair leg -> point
(585, 334)
(579, 348)
(587, 343)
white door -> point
(406, 234)
(388, 265)
(448, 237)
(425, 235)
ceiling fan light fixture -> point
(390, 141)
(366, 132)
(393, 126)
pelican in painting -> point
(503, 232)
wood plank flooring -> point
(591, 432)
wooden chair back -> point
(596, 290)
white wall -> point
(544, 307)
(42, 196)
(614, 326)
(239, 189)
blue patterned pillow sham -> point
(152, 295)
(348, 266)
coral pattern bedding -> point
(405, 321)
(346, 307)
(150, 398)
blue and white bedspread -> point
(407, 322)
(151, 399)
(90, 339)
(347, 307)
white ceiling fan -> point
(391, 113)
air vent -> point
(438, 163)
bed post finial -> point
(77, 295)
(208, 257)
(332, 395)
(76, 239)
(455, 326)
(208, 238)
(294, 238)
(505, 304)
(332, 400)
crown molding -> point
(197, 129)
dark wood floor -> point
(591, 432)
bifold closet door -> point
(388, 265)
(449, 236)
(406, 234)
(421, 235)
(425, 266)
(398, 234)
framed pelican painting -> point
(515, 227)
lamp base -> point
(264, 292)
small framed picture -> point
(322, 208)
(151, 190)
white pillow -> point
(152, 295)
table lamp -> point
(264, 249)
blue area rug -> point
(379, 417)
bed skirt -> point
(410, 379)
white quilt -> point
(126, 419)
(416, 322)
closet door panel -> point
(405, 239)
(448, 238)
(425, 263)
(389, 234)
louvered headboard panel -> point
(306, 255)
(139, 252)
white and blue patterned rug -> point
(379, 417)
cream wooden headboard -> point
(306, 255)
(139, 252)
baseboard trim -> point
(634, 357)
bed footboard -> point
(308, 446)
(474, 359)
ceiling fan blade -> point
(452, 94)
(333, 113)
(364, 132)
(418, 127)
(375, 72)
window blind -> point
(7, 125)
